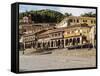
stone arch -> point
(84, 39)
(58, 42)
(70, 41)
(38, 44)
(43, 44)
(78, 40)
(62, 43)
(66, 42)
(48, 44)
(51, 43)
(74, 41)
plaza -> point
(66, 45)
(57, 59)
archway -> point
(62, 43)
(84, 39)
(58, 43)
(51, 43)
(74, 41)
(78, 40)
(48, 44)
(66, 42)
(70, 41)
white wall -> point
(5, 25)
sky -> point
(74, 10)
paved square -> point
(58, 59)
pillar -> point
(50, 44)
(53, 44)
(64, 43)
(41, 44)
(80, 40)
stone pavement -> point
(55, 61)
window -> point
(52, 35)
(84, 20)
(77, 21)
(58, 34)
(72, 31)
(94, 21)
(55, 34)
(74, 20)
(70, 20)
(68, 32)
(91, 21)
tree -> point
(44, 16)
(89, 14)
(68, 14)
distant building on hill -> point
(72, 20)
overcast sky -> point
(73, 10)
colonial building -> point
(69, 33)
(27, 41)
(72, 20)
(26, 20)
(77, 35)
(71, 36)
(36, 27)
(26, 25)
(51, 39)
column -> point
(61, 43)
(64, 43)
(53, 44)
(80, 40)
(41, 44)
(50, 44)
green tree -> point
(68, 14)
(44, 16)
(89, 14)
